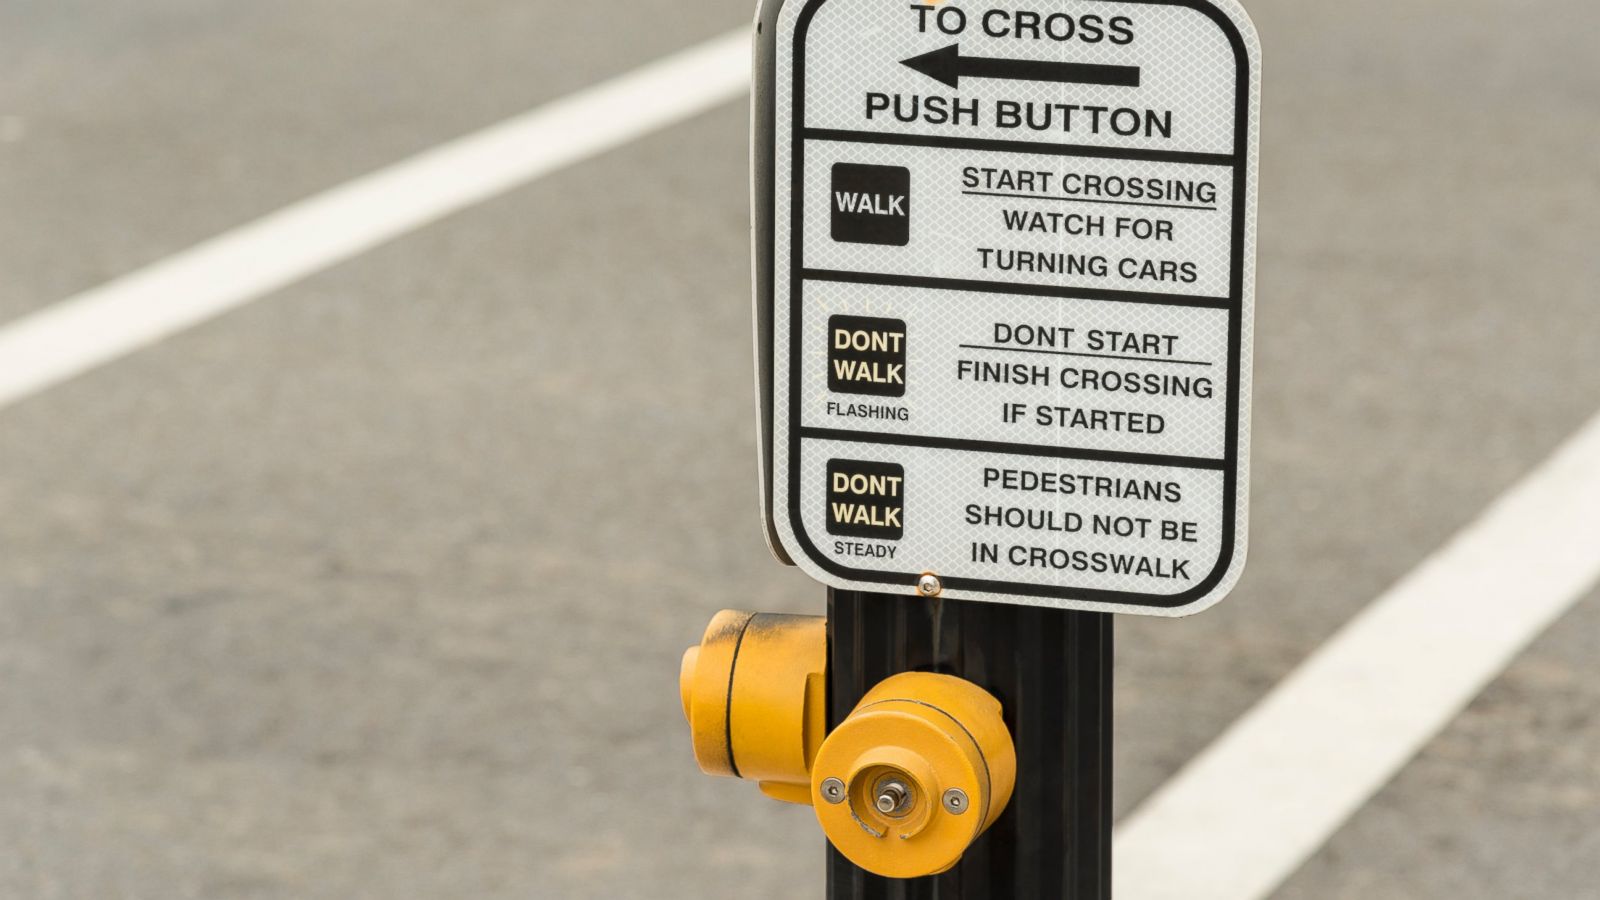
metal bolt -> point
(833, 790)
(928, 585)
(955, 801)
(893, 796)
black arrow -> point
(949, 67)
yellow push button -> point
(920, 768)
(754, 693)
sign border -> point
(764, 133)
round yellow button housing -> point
(754, 692)
(920, 768)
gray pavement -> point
(376, 588)
(136, 128)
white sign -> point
(1005, 286)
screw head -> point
(955, 801)
(929, 586)
(833, 790)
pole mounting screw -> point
(929, 585)
(955, 801)
(833, 790)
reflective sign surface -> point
(1008, 317)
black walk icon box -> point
(871, 204)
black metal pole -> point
(1051, 670)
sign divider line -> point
(1043, 450)
(1017, 288)
(1034, 147)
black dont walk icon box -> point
(866, 499)
(871, 204)
(867, 355)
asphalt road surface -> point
(376, 588)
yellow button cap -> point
(920, 768)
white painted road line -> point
(1246, 813)
(93, 328)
